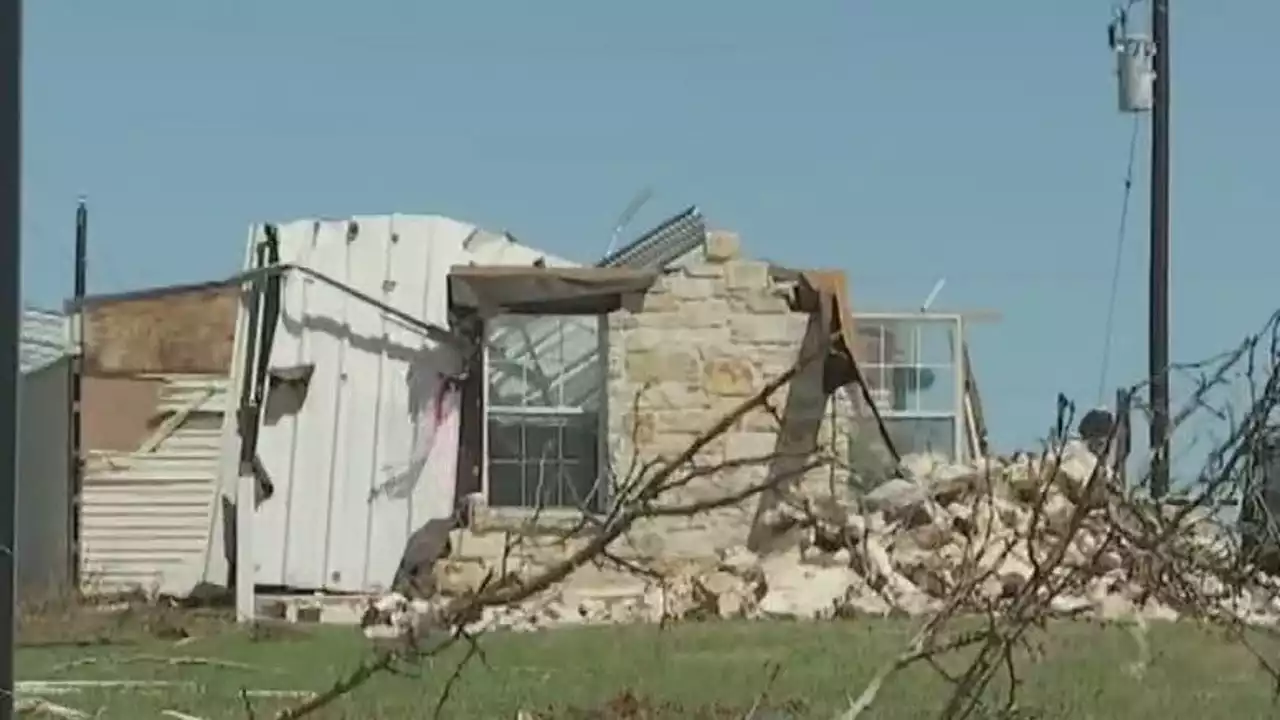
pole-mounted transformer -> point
(1135, 66)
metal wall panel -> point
(44, 482)
(348, 488)
(147, 518)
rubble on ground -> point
(908, 547)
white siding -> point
(44, 482)
(328, 524)
(147, 517)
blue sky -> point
(901, 141)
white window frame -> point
(956, 366)
(603, 483)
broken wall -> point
(703, 339)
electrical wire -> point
(1109, 327)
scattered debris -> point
(44, 708)
(179, 715)
(906, 547)
(160, 659)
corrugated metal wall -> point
(350, 482)
(44, 481)
(147, 517)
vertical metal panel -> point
(44, 536)
(347, 489)
(147, 518)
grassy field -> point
(708, 670)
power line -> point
(1109, 327)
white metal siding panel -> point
(329, 525)
(146, 518)
(44, 481)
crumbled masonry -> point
(906, 548)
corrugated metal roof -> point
(44, 339)
(673, 238)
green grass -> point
(690, 669)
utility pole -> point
(75, 451)
(1158, 327)
(10, 334)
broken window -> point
(910, 362)
(545, 381)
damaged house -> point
(396, 379)
(373, 374)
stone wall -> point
(705, 338)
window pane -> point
(542, 440)
(547, 461)
(504, 440)
(922, 435)
(581, 437)
(542, 485)
(935, 342)
(938, 389)
(506, 486)
(539, 361)
(581, 485)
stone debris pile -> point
(939, 533)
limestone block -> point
(698, 314)
(661, 365)
(721, 246)
(705, 270)
(741, 445)
(747, 275)
(765, 303)
(729, 377)
(785, 329)
(690, 422)
(673, 394)
(683, 287)
(641, 427)
(658, 301)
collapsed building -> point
(549, 385)
(362, 377)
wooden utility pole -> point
(1158, 328)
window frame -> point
(603, 486)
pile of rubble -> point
(971, 535)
